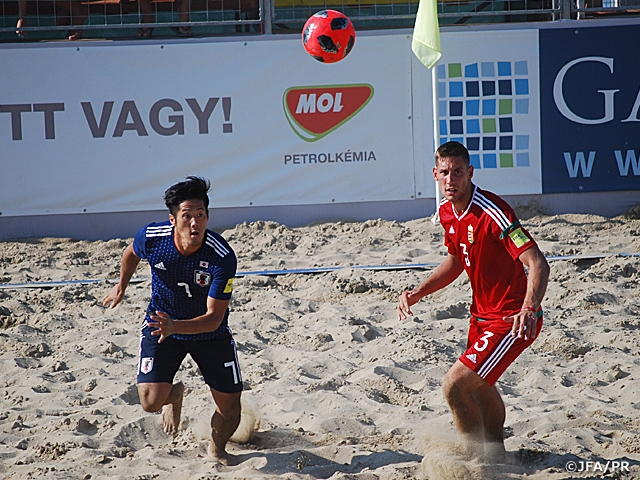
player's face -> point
(190, 224)
(454, 177)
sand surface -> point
(336, 386)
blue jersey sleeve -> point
(139, 243)
(223, 275)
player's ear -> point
(470, 171)
(435, 173)
(172, 219)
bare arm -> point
(209, 322)
(128, 267)
(442, 276)
(525, 322)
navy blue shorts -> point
(217, 360)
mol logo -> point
(314, 112)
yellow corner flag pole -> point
(426, 46)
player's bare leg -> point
(459, 386)
(165, 396)
(172, 409)
(224, 423)
(493, 417)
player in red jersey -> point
(485, 239)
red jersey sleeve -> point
(515, 238)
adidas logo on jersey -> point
(160, 266)
(451, 230)
(472, 357)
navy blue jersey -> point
(181, 284)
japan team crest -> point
(202, 278)
(146, 365)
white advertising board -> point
(101, 128)
(106, 127)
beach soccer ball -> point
(328, 36)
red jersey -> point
(487, 238)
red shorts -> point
(491, 348)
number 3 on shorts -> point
(485, 341)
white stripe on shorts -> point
(497, 355)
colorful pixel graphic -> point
(480, 106)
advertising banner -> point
(488, 100)
(106, 127)
(590, 103)
(103, 128)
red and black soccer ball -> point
(328, 36)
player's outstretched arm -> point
(128, 267)
(442, 276)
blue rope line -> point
(297, 271)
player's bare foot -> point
(472, 447)
(222, 455)
(172, 411)
(495, 453)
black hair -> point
(193, 188)
(453, 150)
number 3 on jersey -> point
(466, 254)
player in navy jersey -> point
(485, 239)
(192, 277)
